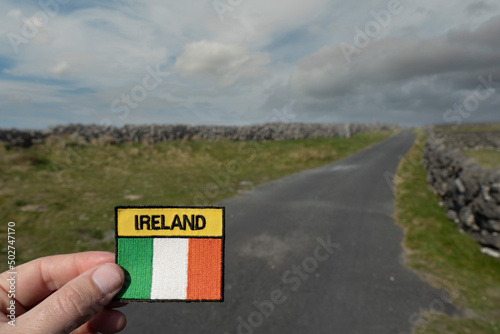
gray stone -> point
(487, 209)
(485, 190)
(451, 215)
(34, 208)
(466, 216)
(461, 200)
(495, 188)
(470, 182)
(490, 240)
(493, 225)
(495, 197)
(460, 186)
(491, 252)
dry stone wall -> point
(469, 140)
(469, 192)
(159, 133)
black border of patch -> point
(128, 300)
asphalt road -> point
(314, 252)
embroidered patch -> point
(170, 253)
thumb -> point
(76, 302)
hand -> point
(64, 293)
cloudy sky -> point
(242, 62)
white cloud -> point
(61, 68)
(105, 48)
(226, 63)
(15, 13)
(241, 68)
(328, 73)
(408, 80)
(16, 91)
(256, 22)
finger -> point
(39, 278)
(76, 302)
(106, 321)
(109, 321)
(119, 322)
(5, 302)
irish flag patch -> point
(170, 253)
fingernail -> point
(107, 278)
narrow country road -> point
(314, 252)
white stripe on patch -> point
(170, 261)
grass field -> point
(62, 195)
(445, 257)
(486, 158)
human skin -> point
(68, 293)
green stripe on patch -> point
(135, 256)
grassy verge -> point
(444, 257)
(486, 158)
(62, 195)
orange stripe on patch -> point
(204, 269)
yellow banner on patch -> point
(169, 222)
